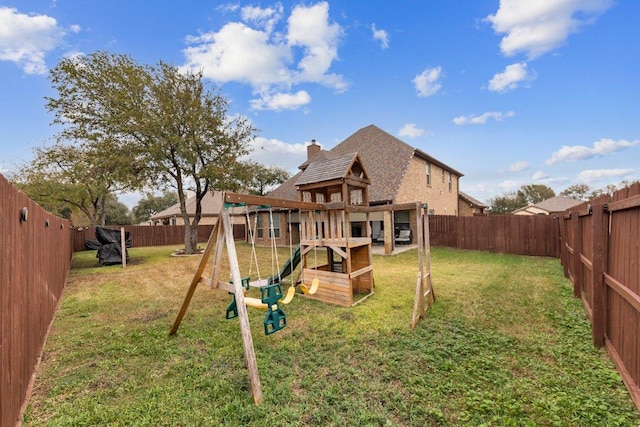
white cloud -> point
(509, 185)
(510, 78)
(273, 152)
(271, 61)
(428, 83)
(580, 152)
(410, 130)
(482, 119)
(228, 7)
(519, 166)
(239, 53)
(265, 18)
(588, 176)
(281, 101)
(4, 170)
(381, 35)
(539, 175)
(537, 27)
(26, 39)
(309, 28)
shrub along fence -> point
(35, 255)
(513, 234)
(600, 253)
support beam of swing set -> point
(222, 235)
(270, 201)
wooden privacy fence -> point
(35, 255)
(522, 235)
(143, 235)
(600, 253)
(154, 235)
(513, 234)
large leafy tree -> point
(506, 203)
(579, 192)
(151, 204)
(117, 212)
(525, 195)
(65, 178)
(535, 193)
(260, 179)
(174, 130)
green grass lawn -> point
(505, 344)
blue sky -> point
(508, 92)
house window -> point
(356, 197)
(450, 183)
(259, 227)
(401, 222)
(306, 196)
(443, 176)
(401, 217)
(275, 226)
(336, 197)
(428, 173)
(319, 197)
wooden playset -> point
(342, 274)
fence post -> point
(564, 253)
(599, 304)
(577, 251)
(123, 248)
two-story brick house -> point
(399, 173)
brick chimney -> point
(313, 149)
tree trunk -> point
(103, 211)
(190, 237)
(193, 236)
(189, 247)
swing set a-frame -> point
(321, 226)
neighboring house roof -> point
(558, 204)
(385, 158)
(552, 205)
(326, 170)
(530, 210)
(211, 205)
(467, 198)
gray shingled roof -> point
(287, 190)
(322, 155)
(384, 157)
(211, 205)
(558, 204)
(326, 170)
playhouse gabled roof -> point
(328, 170)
